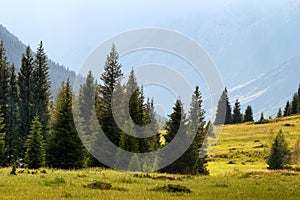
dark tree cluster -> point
(291, 107)
(225, 115)
(36, 132)
(22, 97)
(111, 98)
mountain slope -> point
(254, 44)
(271, 90)
(246, 39)
(14, 49)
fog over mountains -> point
(255, 45)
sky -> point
(71, 29)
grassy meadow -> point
(237, 167)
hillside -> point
(14, 49)
(246, 146)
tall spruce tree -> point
(12, 135)
(129, 142)
(152, 142)
(287, 109)
(248, 114)
(2, 139)
(137, 111)
(294, 106)
(86, 105)
(109, 79)
(177, 125)
(41, 87)
(237, 115)
(223, 115)
(4, 82)
(64, 149)
(196, 126)
(35, 153)
(26, 96)
(176, 118)
(151, 129)
(87, 100)
(279, 154)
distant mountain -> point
(255, 45)
(14, 49)
(271, 90)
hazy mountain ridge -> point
(256, 47)
(271, 90)
(14, 49)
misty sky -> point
(72, 29)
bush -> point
(172, 188)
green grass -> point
(60, 184)
(248, 145)
(237, 166)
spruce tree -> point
(26, 95)
(87, 100)
(86, 105)
(109, 79)
(136, 99)
(177, 125)
(248, 114)
(279, 113)
(2, 139)
(196, 126)
(12, 135)
(4, 82)
(64, 149)
(237, 116)
(152, 142)
(287, 109)
(130, 142)
(138, 114)
(294, 106)
(223, 115)
(279, 154)
(172, 126)
(41, 87)
(35, 153)
(262, 116)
